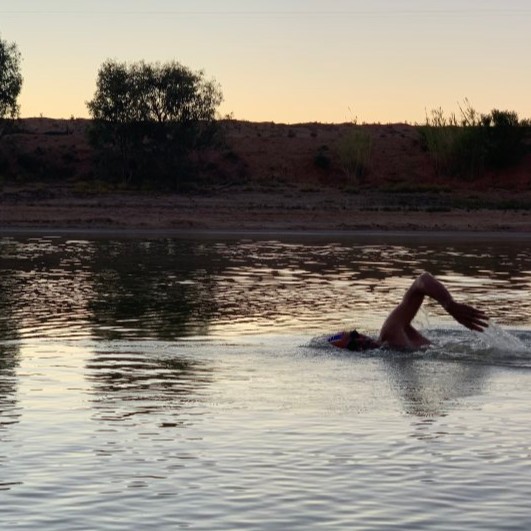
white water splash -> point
(496, 337)
(422, 320)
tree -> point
(149, 119)
(10, 81)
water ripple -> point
(173, 383)
(174, 288)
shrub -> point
(504, 138)
(468, 146)
(455, 147)
(354, 151)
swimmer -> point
(397, 330)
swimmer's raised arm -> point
(397, 330)
(468, 316)
(464, 314)
(426, 285)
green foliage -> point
(468, 146)
(149, 119)
(354, 151)
(10, 81)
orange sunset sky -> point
(285, 60)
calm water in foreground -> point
(182, 383)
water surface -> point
(173, 382)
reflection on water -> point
(9, 413)
(167, 383)
(128, 383)
(9, 357)
(163, 289)
(431, 389)
(168, 288)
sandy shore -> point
(248, 211)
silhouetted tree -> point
(149, 118)
(10, 82)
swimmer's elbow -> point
(425, 277)
(423, 282)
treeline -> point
(151, 123)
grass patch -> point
(354, 152)
(468, 145)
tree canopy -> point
(10, 80)
(149, 117)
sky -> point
(286, 61)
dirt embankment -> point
(267, 177)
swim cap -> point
(353, 341)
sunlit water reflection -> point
(168, 383)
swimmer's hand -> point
(467, 316)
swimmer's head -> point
(353, 341)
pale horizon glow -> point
(286, 61)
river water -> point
(182, 382)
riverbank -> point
(236, 210)
(267, 177)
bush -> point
(504, 138)
(468, 146)
(354, 151)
